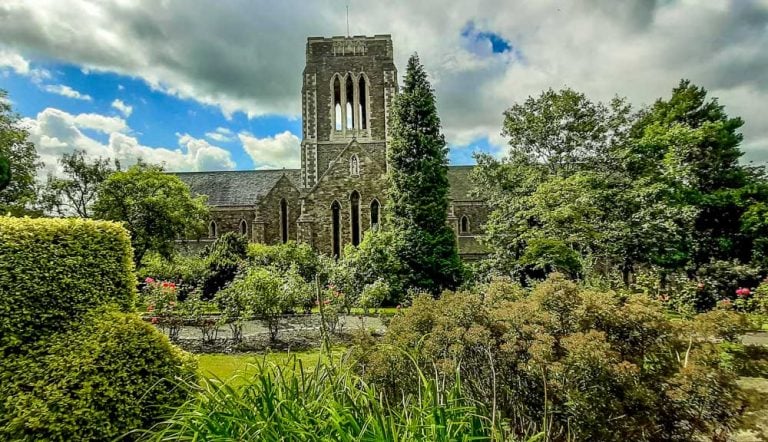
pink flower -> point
(149, 280)
(154, 320)
(399, 306)
(743, 292)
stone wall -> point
(338, 184)
(269, 212)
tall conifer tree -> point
(418, 186)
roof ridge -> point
(235, 171)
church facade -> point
(339, 193)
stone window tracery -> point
(464, 224)
(336, 226)
(212, 230)
(284, 220)
(243, 227)
(354, 216)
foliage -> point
(75, 194)
(547, 256)
(156, 207)
(258, 292)
(693, 142)
(375, 258)
(163, 307)
(224, 259)
(20, 158)
(373, 295)
(417, 160)
(188, 272)
(722, 279)
(577, 364)
(292, 403)
(111, 374)
(53, 271)
(284, 256)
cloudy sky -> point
(215, 85)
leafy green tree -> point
(690, 141)
(18, 162)
(566, 183)
(75, 194)
(418, 190)
(156, 207)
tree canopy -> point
(76, 192)
(18, 162)
(156, 207)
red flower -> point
(743, 292)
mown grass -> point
(238, 368)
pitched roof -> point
(236, 188)
(246, 187)
(460, 182)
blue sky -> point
(206, 85)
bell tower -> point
(347, 91)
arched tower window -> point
(213, 231)
(336, 225)
(362, 93)
(354, 216)
(243, 227)
(350, 98)
(464, 224)
(338, 119)
(284, 220)
(354, 165)
(375, 214)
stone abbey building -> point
(340, 191)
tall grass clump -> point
(327, 402)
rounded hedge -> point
(53, 271)
(112, 374)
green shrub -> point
(111, 374)
(544, 256)
(52, 271)
(720, 280)
(223, 259)
(577, 364)
(284, 256)
(187, 272)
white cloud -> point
(66, 91)
(122, 107)
(280, 150)
(55, 132)
(14, 61)
(244, 57)
(221, 134)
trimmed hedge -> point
(109, 375)
(53, 271)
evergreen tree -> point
(418, 190)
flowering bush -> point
(163, 308)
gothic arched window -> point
(212, 230)
(243, 227)
(464, 224)
(336, 225)
(354, 165)
(375, 214)
(350, 99)
(354, 216)
(284, 220)
(338, 119)
(362, 99)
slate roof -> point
(236, 188)
(246, 187)
(461, 185)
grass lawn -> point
(226, 366)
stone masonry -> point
(339, 192)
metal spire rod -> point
(347, 20)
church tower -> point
(348, 87)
